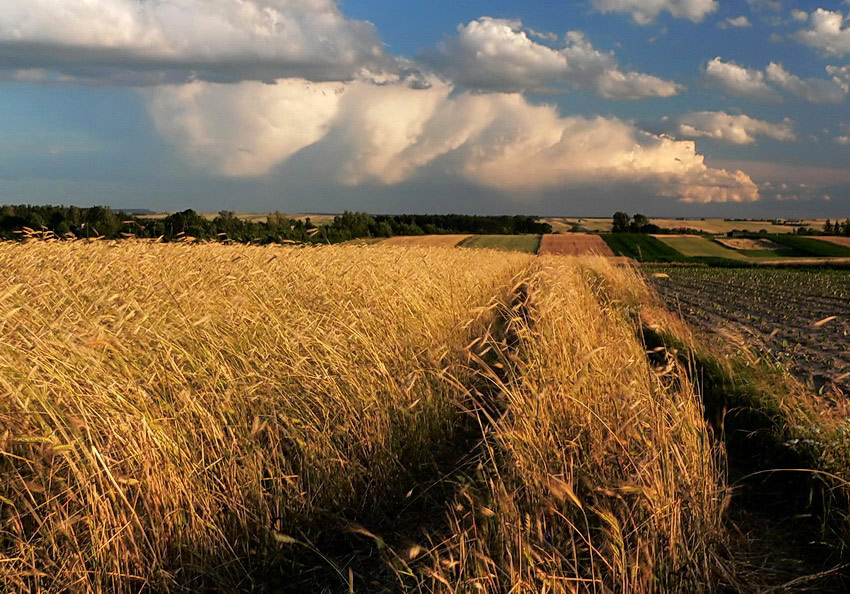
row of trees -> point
(100, 221)
(837, 228)
(623, 223)
(473, 225)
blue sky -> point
(696, 107)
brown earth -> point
(843, 241)
(807, 326)
(574, 244)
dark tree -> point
(621, 222)
(639, 222)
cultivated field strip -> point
(448, 241)
(509, 243)
(842, 241)
(574, 244)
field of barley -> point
(207, 417)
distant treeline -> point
(100, 221)
(623, 223)
(452, 223)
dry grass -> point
(599, 475)
(172, 414)
(211, 417)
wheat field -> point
(181, 417)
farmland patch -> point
(718, 226)
(448, 241)
(842, 241)
(509, 243)
(643, 248)
(798, 316)
(695, 246)
(813, 246)
(744, 243)
(574, 244)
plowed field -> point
(798, 316)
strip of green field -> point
(643, 248)
(701, 247)
(509, 243)
(811, 246)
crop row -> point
(796, 316)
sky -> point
(667, 107)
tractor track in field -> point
(365, 553)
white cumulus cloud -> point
(827, 31)
(273, 122)
(740, 22)
(736, 129)
(764, 86)
(740, 80)
(150, 42)
(813, 90)
(363, 133)
(645, 11)
(799, 15)
(501, 55)
(615, 84)
(841, 76)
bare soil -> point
(842, 241)
(801, 317)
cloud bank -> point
(363, 133)
(246, 88)
(500, 55)
(151, 42)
